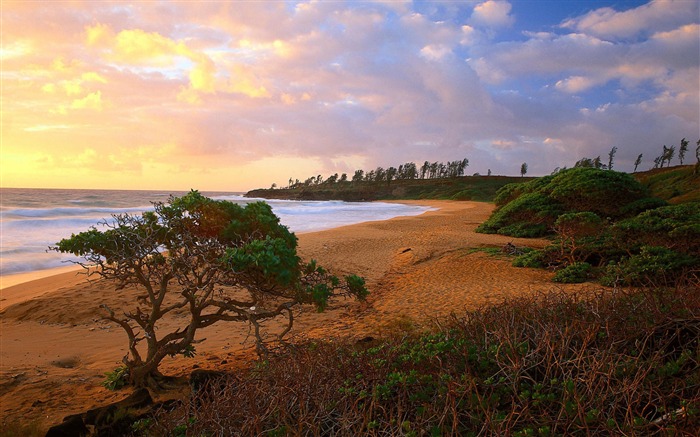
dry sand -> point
(55, 349)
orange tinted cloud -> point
(224, 95)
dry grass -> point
(624, 363)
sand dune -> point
(55, 348)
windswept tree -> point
(407, 171)
(611, 157)
(358, 176)
(682, 149)
(390, 174)
(574, 234)
(590, 163)
(523, 169)
(462, 166)
(215, 261)
(667, 155)
(638, 161)
(597, 163)
(425, 170)
(379, 174)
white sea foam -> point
(32, 220)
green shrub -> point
(603, 192)
(653, 264)
(642, 205)
(534, 259)
(573, 273)
(507, 193)
(117, 379)
(676, 227)
(532, 208)
(529, 215)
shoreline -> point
(22, 287)
(21, 278)
(9, 280)
(12, 279)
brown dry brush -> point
(615, 363)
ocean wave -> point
(69, 212)
(30, 263)
(33, 222)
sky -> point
(235, 95)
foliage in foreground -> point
(554, 364)
(213, 261)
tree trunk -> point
(146, 375)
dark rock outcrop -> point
(72, 426)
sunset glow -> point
(239, 95)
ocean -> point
(31, 220)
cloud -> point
(15, 49)
(435, 52)
(183, 89)
(655, 16)
(493, 13)
(151, 49)
(91, 101)
(576, 84)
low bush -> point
(534, 259)
(652, 265)
(532, 208)
(573, 273)
(116, 379)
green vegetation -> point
(116, 379)
(605, 224)
(477, 188)
(573, 273)
(555, 364)
(432, 180)
(675, 184)
(210, 261)
(531, 209)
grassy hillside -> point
(479, 188)
(673, 184)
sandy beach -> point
(55, 348)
